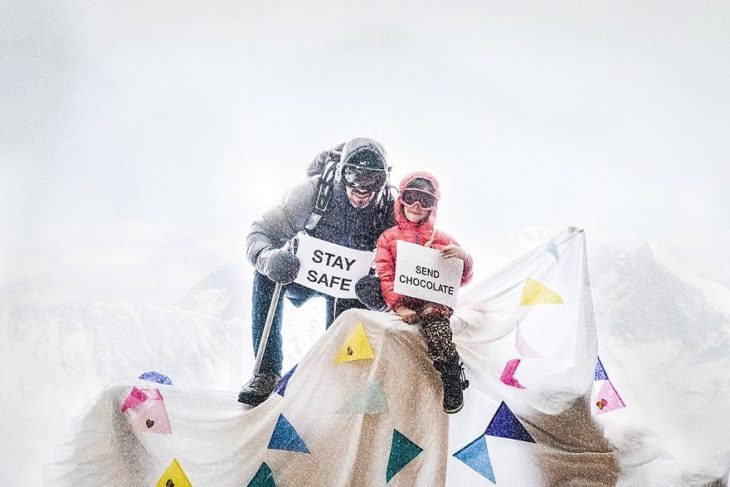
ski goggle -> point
(426, 200)
(364, 179)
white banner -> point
(329, 268)
(421, 272)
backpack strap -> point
(325, 164)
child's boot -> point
(452, 375)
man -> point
(346, 201)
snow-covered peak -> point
(644, 293)
(664, 341)
(224, 292)
(715, 293)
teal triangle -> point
(285, 437)
(368, 400)
(263, 478)
(402, 452)
(553, 249)
(476, 456)
(506, 425)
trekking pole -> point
(267, 326)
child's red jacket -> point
(423, 233)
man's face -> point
(358, 197)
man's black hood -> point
(365, 153)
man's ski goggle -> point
(364, 180)
(410, 197)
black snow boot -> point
(452, 375)
(258, 389)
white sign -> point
(421, 272)
(329, 268)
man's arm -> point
(283, 221)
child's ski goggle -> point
(426, 200)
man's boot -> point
(452, 375)
(258, 389)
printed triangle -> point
(402, 452)
(600, 373)
(608, 399)
(368, 400)
(551, 248)
(153, 419)
(525, 349)
(281, 385)
(174, 476)
(135, 398)
(536, 292)
(157, 377)
(505, 424)
(356, 347)
(285, 437)
(508, 374)
(264, 477)
(476, 456)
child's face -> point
(414, 213)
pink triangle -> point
(608, 399)
(134, 399)
(153, 420)
(524, 348)
(508, 374)
(154, 394)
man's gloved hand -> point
(367, 290)
(279, 265)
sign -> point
(421, 272)
(329, 268)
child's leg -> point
(436, 329)
(435, 325)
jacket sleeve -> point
(385, 266)
(468, 270)
(466, 274)
(281, 222)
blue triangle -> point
(281, 385)
(600, 373)
(285, 437)
(476, 456)
(153, 376)
(506, 425)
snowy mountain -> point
(62, 354)
(664, 336)
(664, 333)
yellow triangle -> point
(536, 292)
(357, 346)
(174, 477)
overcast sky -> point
(139, 139)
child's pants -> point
(435, 325)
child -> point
(415, 214)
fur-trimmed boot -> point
(452, 375)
